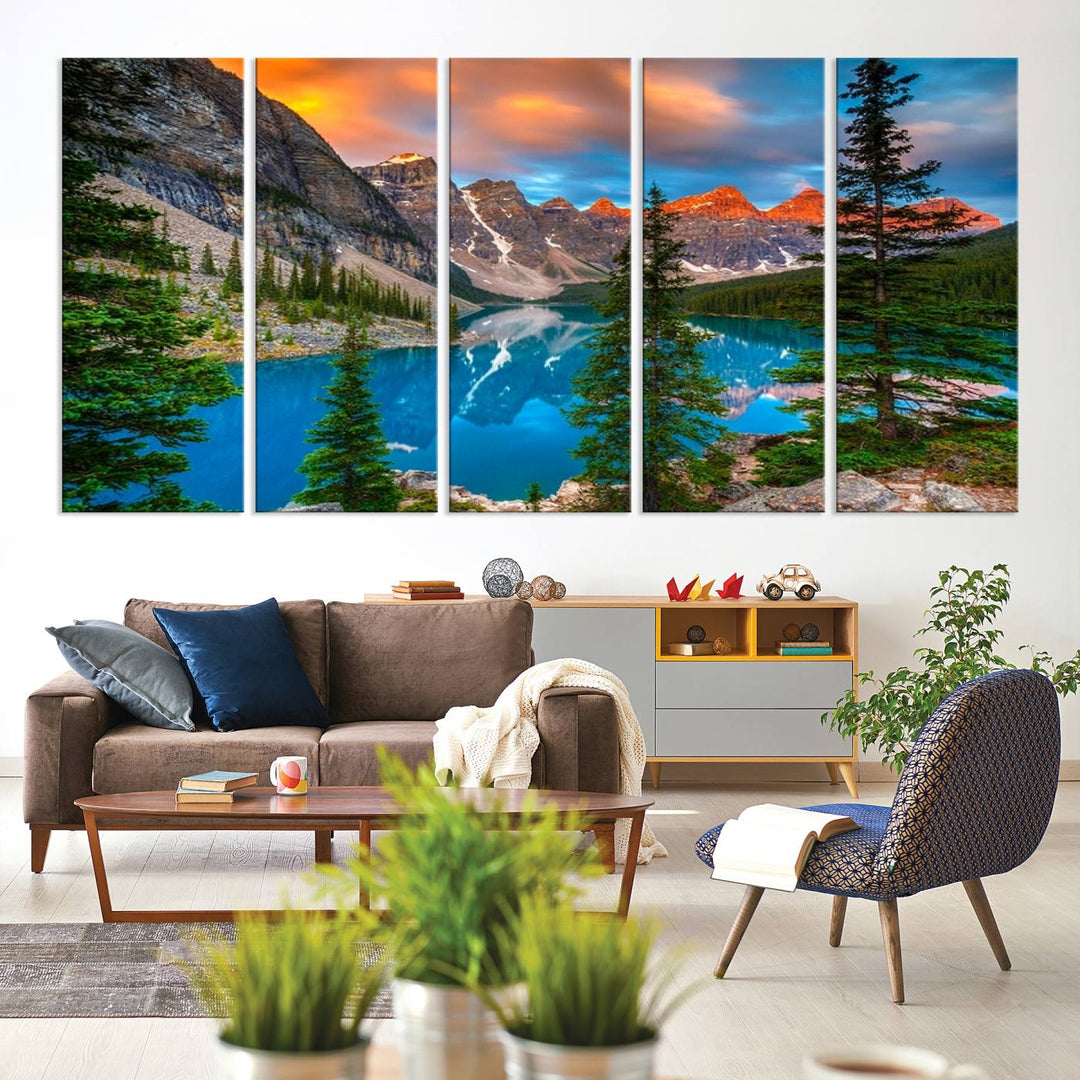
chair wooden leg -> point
(890, 934)
(977, 895)
(836, 923)
(39, 844)
(747, 908)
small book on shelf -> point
(429, 595)
(183, 795)
(690, 648)
(218, 780)
(426, 586)
(815, 650)
(804, 644)
(768, 845)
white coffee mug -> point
(289, 775)
(877, 1061)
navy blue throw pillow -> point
(244, 665)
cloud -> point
(366, 109)
(542, 122)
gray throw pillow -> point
(144, 678)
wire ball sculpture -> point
(695, 634)
(791, 632)
(543, 587)
(810, 632)
(524, 590)
(721, 646)
(502, 577)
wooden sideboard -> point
(748, 705)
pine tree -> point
(206, 262)
(902, 342)
(534, 496)
(454, 325)
(681, 401)
(233, 282)
(309, 282)
(326, 279)
(125, 376)
(267, 283)
(349, 464)
(603, 389)
(294, 283)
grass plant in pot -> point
(592, 1005)
(293, 993)
(453, 880)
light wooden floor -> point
(786, 992)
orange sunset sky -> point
(367, 110)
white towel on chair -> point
(496, 745)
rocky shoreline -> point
(319, 337)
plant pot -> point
(528, 1060)
(445, 1033)
(240, 1063)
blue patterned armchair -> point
(974, 799)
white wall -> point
(60, 567)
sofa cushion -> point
(305, 621)
(414, 662)
(244, 666)
(147, 680)
(133, 757)
(347, 754)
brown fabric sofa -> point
(385, 672)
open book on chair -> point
(768, 845)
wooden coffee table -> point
(323, 810)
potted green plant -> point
(452, 880)
(293, 993)
(964, 607)
(592, 1006)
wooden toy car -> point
(791, 578)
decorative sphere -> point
(543, 587)
(289, 774)
(810, 632)
(502, 576)
(721, 646)
(560, 590)
(524, 590)
(695, 634)
(791, 632)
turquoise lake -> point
(508, 389)
(403, 381)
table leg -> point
(98, 862)
(637, 822)
(365, 857)
(322, 846)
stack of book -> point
(213, 787)
(427, 590)
(804, 648)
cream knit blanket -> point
(495, 746)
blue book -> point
(218, 780)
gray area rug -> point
(108, 969)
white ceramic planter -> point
(239, 1063)
(445, 1033)
(528, 1060)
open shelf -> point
(836, 625)
(736, 624)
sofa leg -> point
(977, 895)
(890, 934)
(747, 908)
(836, 923)
(39, 844)
(605, 845)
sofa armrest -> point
(64, 719)
(579, 733)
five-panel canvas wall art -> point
(739, 393)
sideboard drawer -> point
(732, 684)
(746, 733)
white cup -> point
(878, 1061)
(289, 775)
